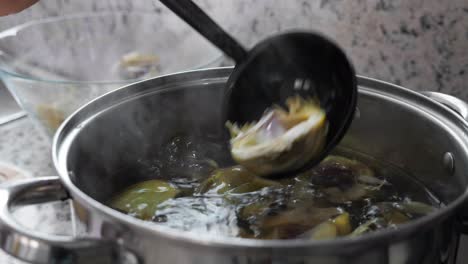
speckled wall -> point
(420, 44)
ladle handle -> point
(201, 22)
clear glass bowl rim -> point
(15, 29)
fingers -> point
(14, 6)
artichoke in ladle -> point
(282, 140)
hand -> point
(14, 6)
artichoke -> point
(281, 140)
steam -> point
(170, 131)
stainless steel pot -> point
(103, 147)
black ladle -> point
(303, 63)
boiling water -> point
(342, 197)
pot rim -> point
(66, 133)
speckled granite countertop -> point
(22, 145)
(420, 44)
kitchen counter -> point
(22, 145)
(418, 44)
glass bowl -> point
(55, 65)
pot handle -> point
(461, 108)
(32, 246)
(452, 102)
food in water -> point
(51, 116)
(142, 199)
(342, 196)
(136, 65)
(281, 140)
(234, 180)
